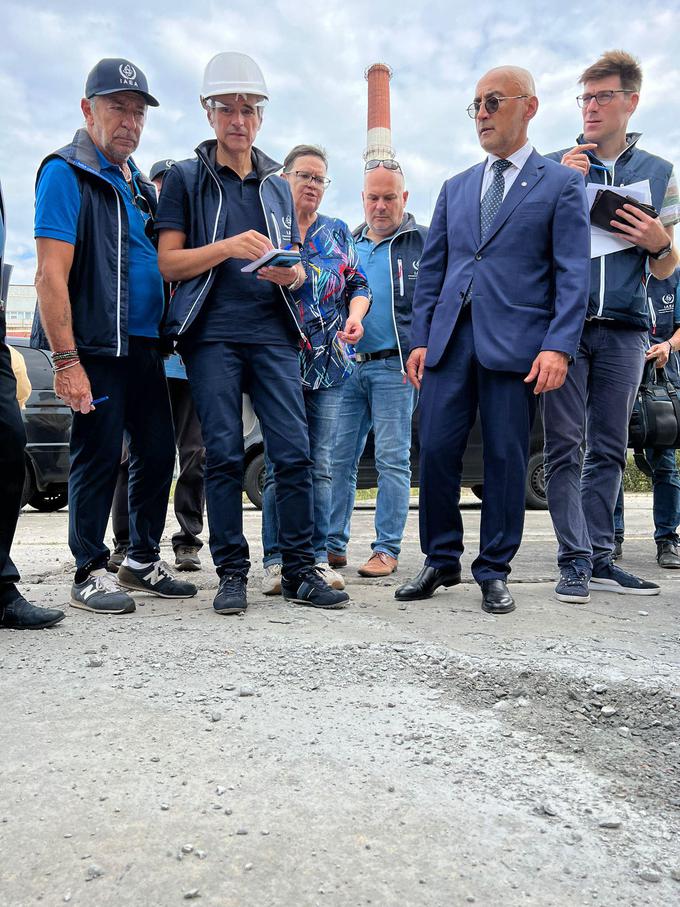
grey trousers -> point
(594, 406)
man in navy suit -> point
(498, 311)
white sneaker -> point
(334, 579)
(271, 582)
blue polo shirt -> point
(239, 308)
(379, 331)
(57, 208)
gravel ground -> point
(390, 754)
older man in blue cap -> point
(101, 301)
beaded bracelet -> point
(64, 354)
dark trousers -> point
(138, 409)
(12, 470)
(450, 396)
(593, 404)
(189, 500)
(219, 374)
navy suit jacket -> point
(530, 276)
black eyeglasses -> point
(602, 97)
(491, 104)
(388, 163)
(321, 181)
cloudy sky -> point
(313, 57)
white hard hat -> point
(233, 73)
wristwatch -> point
(662, 253)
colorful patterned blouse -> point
(334, 278)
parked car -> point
(47, 421)
(473, 468)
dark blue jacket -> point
(528, 278)
(98, 281)
(208, 216)
(661, 295)
(406, 247)
(617, 287)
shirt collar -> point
(518, 159)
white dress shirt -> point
(518, 160)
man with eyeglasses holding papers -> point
(498, 311)
(101, 301)
(597, 398)
(376, 395)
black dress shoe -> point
(22, 615)
(424, 585)
(495, 597)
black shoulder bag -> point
(655, 420)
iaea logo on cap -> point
(127, 71)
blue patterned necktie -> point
(493, 197)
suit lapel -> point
(473, 191)
(528, 177)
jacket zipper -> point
(214, 235)
(603, 257)
(119, 256)
(394, 317)
(278, 235)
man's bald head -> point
(504, 130)
(520, 78)
(384, 200)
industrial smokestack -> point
(379, 131)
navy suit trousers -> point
(12, 469)
(452, 392)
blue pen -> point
(99, 400)
(599, 167)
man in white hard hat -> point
(241, 332)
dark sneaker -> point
(231, 594)
(22, 615)
(117, 557)
(611, 578)
(101, 593)
(617, 553)
(156, 579)
(308, 587)
(186, 558)
(573, 584)
(667, 555)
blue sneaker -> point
(573, 584)
(611, 578)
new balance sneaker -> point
(308, 587)
(101, 593)
(667, 555)
(611, 578)
(186, 557)
(117, 557)
(231, 594)
(573, 584)
(332, 577)
(271, 581)
(156, 579)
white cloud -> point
(314, 59)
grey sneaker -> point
(156, 579)
(117, 557)
(667, 555)
(186, 557)
(101, 593)
(271, 581)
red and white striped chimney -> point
(379, 132)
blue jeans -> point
(594, 403)
(376, 395)
(322, 407)
(666, 491)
